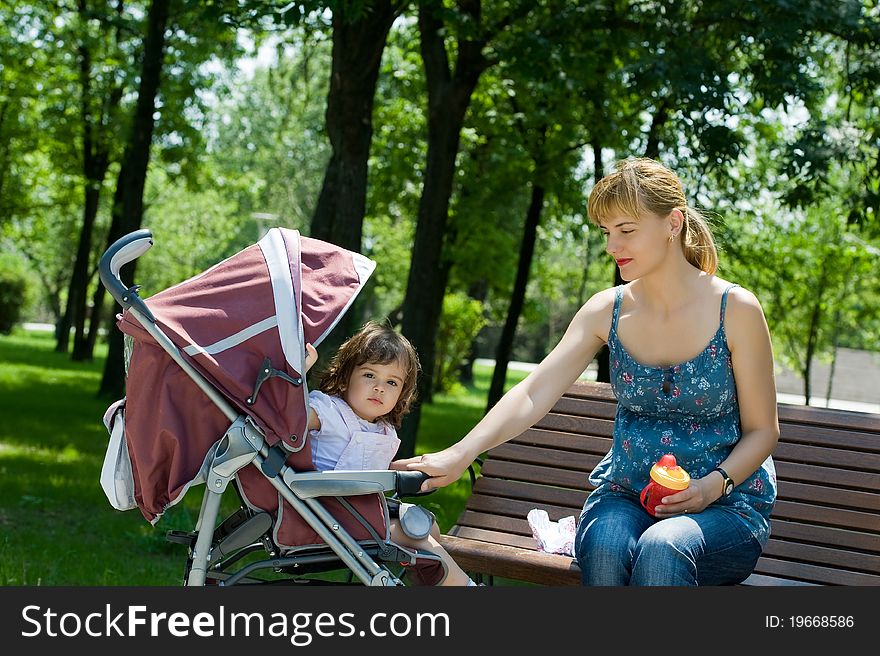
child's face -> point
(373, 389)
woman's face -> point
(638, 245)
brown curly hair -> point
(375, 344)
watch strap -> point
(727, 482)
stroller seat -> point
(216, 395)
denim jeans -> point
(619, 543)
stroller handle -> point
(409, 483)
(121, 252)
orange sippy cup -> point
(666, 478)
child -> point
(362, 398)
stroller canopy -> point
(248, 315)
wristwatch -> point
(728, 482)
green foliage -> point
(13, 291)
(460, 322)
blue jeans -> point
(619, 543)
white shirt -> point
(329, 441)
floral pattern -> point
(689, 410)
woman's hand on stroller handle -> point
(411, 483)
(441, 468)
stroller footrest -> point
(244, 534)
(182, 537)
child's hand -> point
(311, 356)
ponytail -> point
(697, 242)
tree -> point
(449, 93)
(359, 34)
(129, 210)
(99, 102)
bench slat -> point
(577, 426)
(764, 580)
(494, 537)
(518, 509)
(531, 493)
(828, 457)
(552, 457)
(802, 414)
(521, 471)
(512, 562)
(563, 441)
(840, 478)
(812, 534)
(814, 573)
(492, 522)
(826, 516)
(825, 496)
(823, 555)
(827, 436)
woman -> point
(692, 369)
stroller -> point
(216, 394)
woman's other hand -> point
(696, 498)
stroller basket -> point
(216, 395)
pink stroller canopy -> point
(241, 320)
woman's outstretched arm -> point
(529, 400)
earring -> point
(671, 237)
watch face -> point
(728, 489)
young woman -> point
(692, 369)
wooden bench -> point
(825, 528)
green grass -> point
(56, 525)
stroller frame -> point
(243, 444)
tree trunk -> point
(813, 330)
(449, 95)
(357, 54)
(477, 291)
(517, 299)
(358, 43)
(95, 164)
(658, 120)
(135, 163)
(603, 365)
(113, 234)
(75, 307)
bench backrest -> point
(825, 526)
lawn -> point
(56, 525)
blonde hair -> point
(641, 186)
(375, 344)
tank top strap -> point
(724, 302)
(618, 297)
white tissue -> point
(552, 537)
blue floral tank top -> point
(689, 410)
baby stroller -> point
(216, 394)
